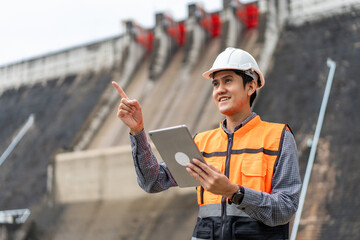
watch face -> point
(238, 197)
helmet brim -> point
(209, 74)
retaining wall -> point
(97, 174)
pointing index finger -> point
(119, 89)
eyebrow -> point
(226, 76)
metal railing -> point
(17, 139)
(332, 65)
(16, 216)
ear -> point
(251, 87)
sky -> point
(37, 27)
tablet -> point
(177, 148)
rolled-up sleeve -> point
(279, 206)
(152, 176)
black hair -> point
(246, 79)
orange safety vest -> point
(246, 157)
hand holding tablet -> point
(177, 149)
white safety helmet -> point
(237, 59)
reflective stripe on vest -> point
(214, 210)
(253, 148)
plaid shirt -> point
(272, 209)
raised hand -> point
(129, 111)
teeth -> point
(223, 99)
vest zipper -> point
(227, 170)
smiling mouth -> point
(222, 99)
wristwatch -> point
(238, 196)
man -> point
(250, 185)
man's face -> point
(229, 93)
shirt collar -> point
(248, 119)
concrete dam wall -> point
(73, 167)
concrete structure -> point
(94, 187)
(302, 11)
(91, 57)
(94, 175)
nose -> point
(220, 89)
(217, 92)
